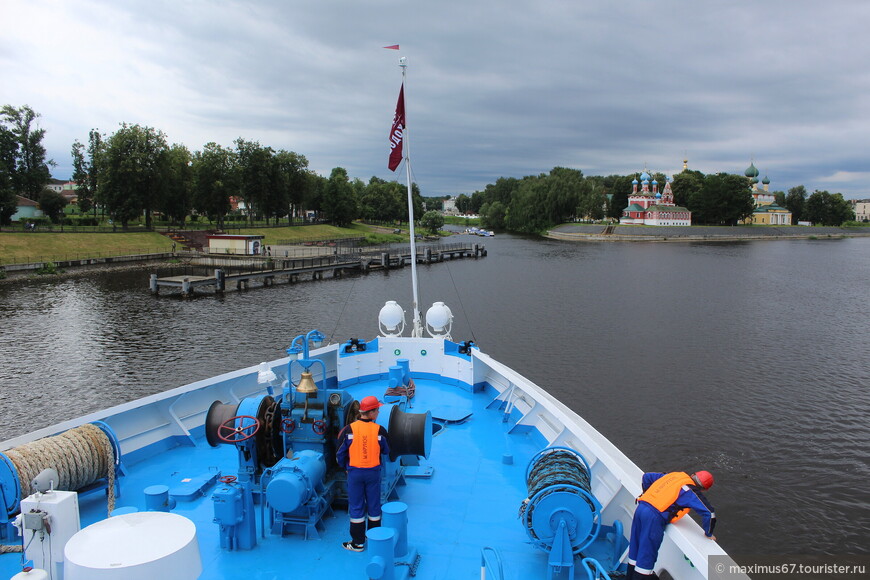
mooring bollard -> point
(153, 284)
(395, 516)
(382, 564)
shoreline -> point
(597, 233)
(80, 271)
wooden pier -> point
(268, 269)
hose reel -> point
(559, 491)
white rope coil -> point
(80, 456)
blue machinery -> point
(286, 452)
(563, 518)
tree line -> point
(135, 172)
(536, 203)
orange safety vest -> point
(664, 492)
(365, 450)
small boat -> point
(236, 476)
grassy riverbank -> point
(22, 248)
(35, 247)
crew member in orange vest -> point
(361, 445)
(666, 498)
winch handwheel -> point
(241, 433)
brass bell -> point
(306, 384)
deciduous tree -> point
(432, 221)
(619, 188)
(779, 198)
(176, 200)
(685, 184)
(828, 209)
(294, 183)
(8, 197)
(795, 202)
(724, 199)
(338, 201)
(52, 203)
(132, 168)
(86, 170)
(30, 169)
(255, 176)
(214, 181)
(492, 215)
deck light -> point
(391, 319)
(439, 320)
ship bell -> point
(306, 384)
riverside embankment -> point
(618, 233)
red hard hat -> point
(705, 478)
(369, 403)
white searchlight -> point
(391, 319)
(439, 321)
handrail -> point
(483, 562)
(594, 569)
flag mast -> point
(417, 330)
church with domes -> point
(650, 207)
(766, 212)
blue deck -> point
(470, 501)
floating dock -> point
(238, 271)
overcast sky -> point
(495, 87)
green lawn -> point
(17, 248)
(20, 247)
(302, 233)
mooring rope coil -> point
(555, 472)
(81, 456)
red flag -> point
(393, 47)
(397, 133)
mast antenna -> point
(417, 329)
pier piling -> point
(267, 271)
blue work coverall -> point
(648, 525)
(363, 484)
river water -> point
(748, 359)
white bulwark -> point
(650, 207)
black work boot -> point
(358, 533)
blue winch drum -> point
(559, 490)
(410, 433)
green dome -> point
(766, 180)
(751, 171)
